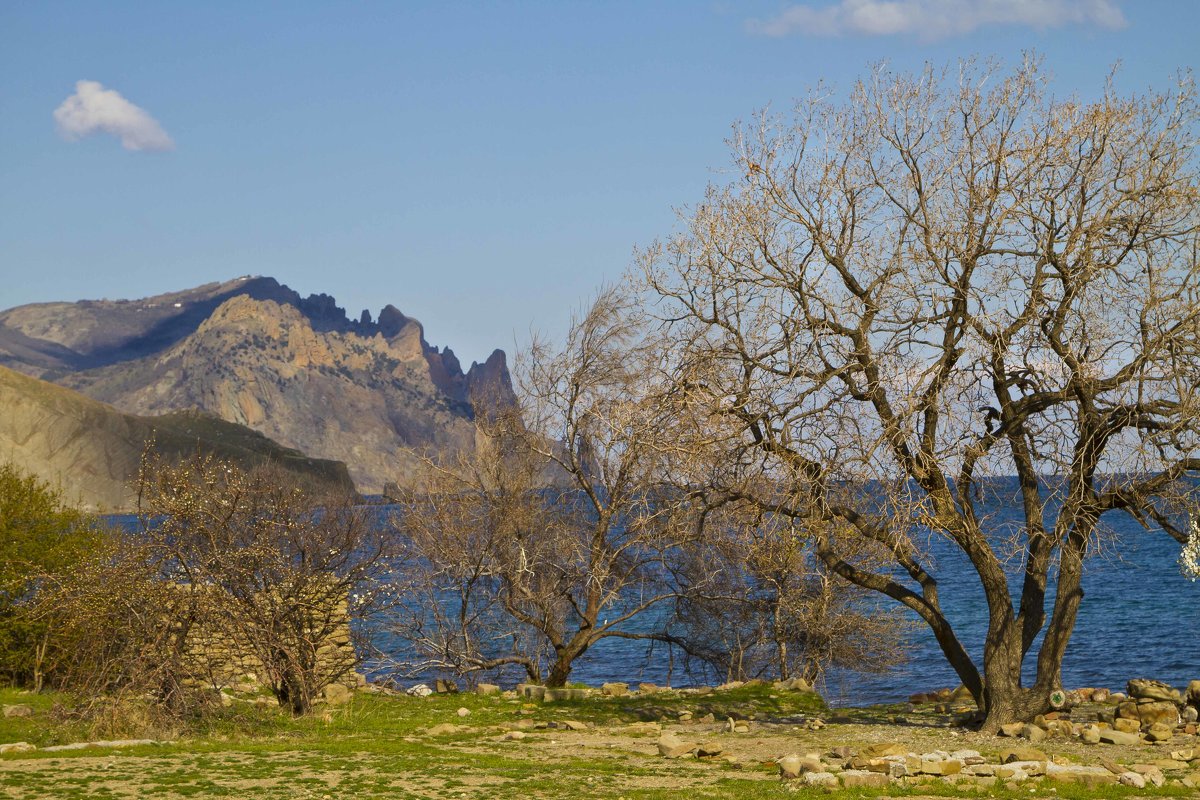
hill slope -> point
(92, 451)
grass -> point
(378, 747)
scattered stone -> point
(1010, 754)
(17, 747)
(573, 725)
(946, 767)
(464, 712)
(881, 749)
(670, 746)
(515, 736)
(795, 765)
(1126, 725)
(1119, 737)
(1012, 729)
(648, 688)
(420, 690)
(614, 689)
(843, 752)
(486, 689)
(710, 750)
(1033, 733)
(336, 694)
(1150, 772)
(1076, 773)
(1158, 711)
(1132, 779)
(821, 779)
(1142, 688)
(856, 777)
(1090, 734)
(1160, 732)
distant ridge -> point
(254, 352)
(91, 451)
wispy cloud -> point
(934, 19)
(94, 109)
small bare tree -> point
(556, 533)
(947, 277)
(276, 570)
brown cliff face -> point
(91, 451)
(253, 352)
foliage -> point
(39, 536)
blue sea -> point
(1140, 617)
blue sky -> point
(484, 167)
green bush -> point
(40, 536)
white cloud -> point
(94, 109)
(935, 19)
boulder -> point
(795, 765)
(1157, 712)
(515, 736)
(1033, 733)
(445, 686)
(337, 694)
(881, 749)
(18, 710)
(1010, 754)
(1119, 737)
(1012, 728)
(464, 712)
(573, 725)
(670, 746)
(1127, 725)
(1145, 689)
(1132, 779)
(1193, 694)
(710, 750)
(1160, 732)
(420, 690)
(1090, 734)
(487, 689)
(825, 780)
(857, 777)
(615, 689)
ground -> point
(391, 746)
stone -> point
(464, 712)
(486, 689)
(445, 686)
(1193, 694)
(852, 778)
(1126, 725)
(18, 710)
(445, 729)
(881, 749)
(710, 750)
(946, 767)
(648, 688)
(1145, 689)
(1010, 754)
(642, 729)
(1100, 695)
(337, 694)
(1160, 732)
(1033, 733)
(532, 691)
(1132, 779)
(1010, 773)
(1157, 711)
(1077, 773)
(867, 764)
(670, 746)
(1120, 737)
(17, 747)
(515, 736)
(1190, 714)
(825, 780)
(1150, 772)
(1090, 734)
(614, 689)
(573, 725)
(420, 690)
(1012, 729)
(795, 765)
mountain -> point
(91, 451)
(370, 393)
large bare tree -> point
(944, 277)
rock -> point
(795, 765)
(445, 729)
(18, 710)
(881, 749)
(486, 689)
(1190, 714)
(614, 689)
(940, 767)
(1010, 754)
(1119, 737)
(670, 746)
(648, 688)
(1127, 725)
(1157, 711)
(420, 690)
(17, 747)
(1132, 779)
(1090, 734)
(710, 750)
(532, 691)
(337, 694)
(1145, 689)
(642, 729)
(574, 725)
(1076, 773)
(1150, 772)
(825, 780)
(857, 777)
(1193, 694)
(515, 736)
(1033, 733)
(1160, 732)
(464, 712)
(445, 686)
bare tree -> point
(951, 276)
(556, 533)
